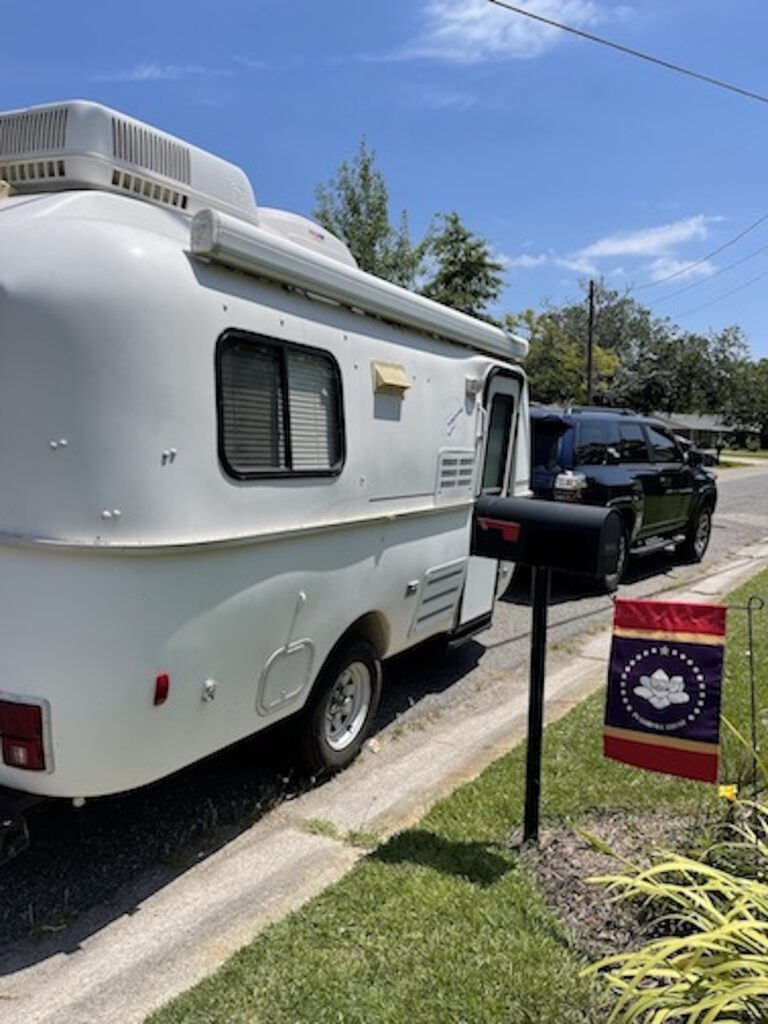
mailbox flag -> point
(663, 704)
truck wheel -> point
(610, 582)
(338, 716)
(697, 536)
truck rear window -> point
(547, 439)
(595, 437)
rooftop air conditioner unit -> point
(79, 144)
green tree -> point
(621, 324)
(461, 271)
(556, 362)
(354, 205)
(746, 406)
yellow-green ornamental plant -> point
(713, 964)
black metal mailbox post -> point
(544, 535)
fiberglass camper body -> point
(237, 472)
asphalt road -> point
(82, 860)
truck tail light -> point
(21, 729)
(570, 486)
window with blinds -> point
(279, 408)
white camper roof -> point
(83, 145)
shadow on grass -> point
(474, 862)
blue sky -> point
(571, 159)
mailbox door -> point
(501, 404)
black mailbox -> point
(581, 539)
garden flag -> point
(663, 705)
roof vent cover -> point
(90, 146)
(143, 147)
(41, 130)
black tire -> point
(697, 535)
(338, 716)
(610, 582)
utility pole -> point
(590, 339)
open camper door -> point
(500, 415)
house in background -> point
(707, 430)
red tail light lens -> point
(24, 721)
(21, 728)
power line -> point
(697, 263)
(632, 53)
(726, 295)
(711, 277)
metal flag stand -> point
(754, 604)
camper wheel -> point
(342, 706)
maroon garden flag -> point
(662, 710)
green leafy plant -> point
(711, 964)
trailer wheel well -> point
(375, 628)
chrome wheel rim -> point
(703, 528)
(347, 706)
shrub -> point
(711, 965)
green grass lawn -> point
(746, 453)
(443, 923)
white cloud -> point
(525, 260)
(654, 252)
(578, 264)
(155, 72)
(654, 241)
(471, 31)
(667, 266)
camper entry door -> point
(501, 404)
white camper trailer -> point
(236, 472)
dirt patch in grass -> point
(565, 861)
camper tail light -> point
(21, 729)
(570, 486)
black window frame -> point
(508, 435)
(282, 348)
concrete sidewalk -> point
(164, 943)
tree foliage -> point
(556, 363)
(640, 361)
(354, 205)
(462, 273)
(452, 264)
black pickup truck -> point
(632, 463)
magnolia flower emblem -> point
(661, 690)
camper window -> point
(497, 445)
(279, 408)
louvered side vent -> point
(32, 170)
(439, 597)
(33, 131)
(150, 189)
(142, 147)
(455, 473)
